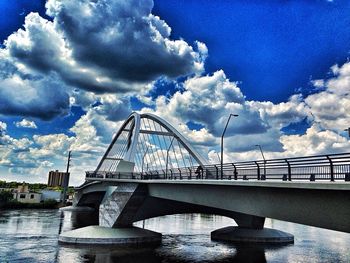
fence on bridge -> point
(330, 167)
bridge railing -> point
(330, 167)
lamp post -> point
(66, 179)
(143, 158)
(167, 157)
(222, 143)
(258, 145)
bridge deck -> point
(257, 183)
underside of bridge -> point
(127, 203)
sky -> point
(72, 71)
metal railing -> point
(329, 167)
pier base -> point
(248, 235)
(97, 235)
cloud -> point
(282, 114)
(26, 124)
(269, 141)
(32, 158)
(315, 141)
(331, 106)
(209, 100)
(42, 98)
(113, 47)
(138, 43)
(3, 127)
(4, 138)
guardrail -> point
(329, 167)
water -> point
(31, 236)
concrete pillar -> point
(120, 204)
(116, 215)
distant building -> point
(23, 188)
(57, 178)
(22, 194)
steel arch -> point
(134, 120)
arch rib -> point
(178, 135)
(133, 138)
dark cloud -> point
(268, 140)
(44, 98)
(121, 39)
(115, 109)
(100, 46)
(114, 46)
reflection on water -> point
(31, 236)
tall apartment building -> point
(57, 178)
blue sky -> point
(72, 73)
(272, 47)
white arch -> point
(134, 132)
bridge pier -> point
(251, 229)
(236, 234)
(99, 235)
(116, 214)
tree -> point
(5, 197)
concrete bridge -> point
(150, 170)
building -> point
(57, 178)
(22, 194)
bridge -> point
(150, 170)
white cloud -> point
(209, 100)
(315, 141)
(331, 107)
(282, 114)
(3, 126)
(26, 124)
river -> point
(31, 236)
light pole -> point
(167, 158)
(66, 178)
(222, 144)
(143, 158)
(258, 145)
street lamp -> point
(222, 143)
(66, 179)
(258, 145)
